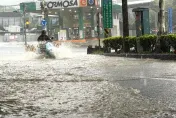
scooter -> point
(43, 50)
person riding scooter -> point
(43, 37)
(42, 41)
(45, 45)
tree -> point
(125, 18)
(125, 21)
(161, 17)
(168, 4)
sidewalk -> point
(135, 55)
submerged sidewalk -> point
(137, 55)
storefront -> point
(77, 16)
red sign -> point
(82, 3)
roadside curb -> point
(154, 56)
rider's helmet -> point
(43, 32)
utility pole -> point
(47, 20)
(98, 29)
(125, 21)
(24, 30)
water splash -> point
(64, 51)
(7, 53)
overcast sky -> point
(13, 2)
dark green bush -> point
(131, 40)
(106, 43)
(172, 40)
(113, 42)
(147, 42)
(164, 43)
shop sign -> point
(107, 13)
(62, 4)
(90, 2)
(82, 3)
(85, 3)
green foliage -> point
(172, 38)
(166, 41)
(113, 42)
(131, 40)
(98, 52)
(148, 42)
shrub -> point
(147, 42)
(131, 40)
(172, 40)
(113, 42)
(106, 42)
(164, 43)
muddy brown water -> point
(77, 85)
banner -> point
(170, 12)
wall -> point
(116, 29)
(6, 21)
(132, 32)
(29, 37)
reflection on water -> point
(76, 85)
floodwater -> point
(77, 85)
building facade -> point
(8, 19)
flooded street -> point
(77, 85)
